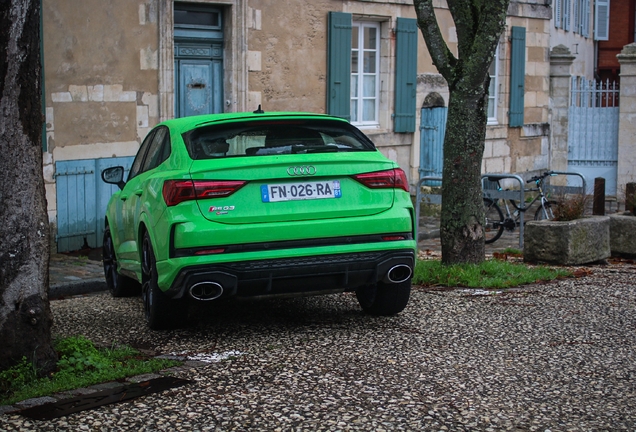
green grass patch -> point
(80, 364)
(489, 274)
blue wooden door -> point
(198, 59)
(76, 214)
(199, 87)
(432, 132)
(198, 69)
(82, 197)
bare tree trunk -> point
(478, 24)
(25, 316)
(461, 232)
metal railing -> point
(514, 194)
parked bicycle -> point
(495, 220)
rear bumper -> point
(292, 276)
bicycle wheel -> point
(493, 225)
(548, 214)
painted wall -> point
(100, 62)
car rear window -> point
(274, 138)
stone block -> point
(78, 93)
(96, 93)
(254, 61)
(50, 119)
(148, 59)
(623, 235)
(500, 149)
(576, 242)
(112, 92)
(61, 97)
(142, 116)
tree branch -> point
(442, 57)
(491, 20)
(465, 17)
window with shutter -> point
(557, 13)
(601, 20)
(339, 64)
(517, 76)
(365, 73)
(405, 75)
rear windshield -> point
(274, 138)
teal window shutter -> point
(339, 65)
(405, 75)
(517, 76)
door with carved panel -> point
(198, 60)
(199, 85)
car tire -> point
(384, 299)
(160, 312)
(118, 285)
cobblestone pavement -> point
(76, 273)
(558, 356)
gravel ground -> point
(559, 356)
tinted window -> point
(139, 159)
(275, 138)
(156, 150)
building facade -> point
(115, 69)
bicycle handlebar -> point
(541, 177)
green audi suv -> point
(257, 205)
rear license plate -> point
(301, 191)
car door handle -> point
(123, 197)
(138, 192)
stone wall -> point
(627, 119)
(101, 87)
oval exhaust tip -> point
(206, 291)
(398, 274)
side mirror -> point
(114, 175)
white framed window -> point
(493, 72)
(365, 73)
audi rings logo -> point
(306, 170)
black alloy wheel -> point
(118, 285)
(160, 312)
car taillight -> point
(393, 178)
(177, 191)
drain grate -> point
(105, 397)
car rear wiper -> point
(301, 148)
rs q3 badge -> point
(221, 210)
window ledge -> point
(372, 130)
